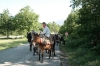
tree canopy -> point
(23, 22)
(53, 27)
(84, 24)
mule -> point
(50, 46)
(62, 40)
(59, 39)
(29, 37)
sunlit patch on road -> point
(21, 56)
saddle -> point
(46, 40)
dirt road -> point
(21, 56)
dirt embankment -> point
(63, 58)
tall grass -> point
(10, 43)
(78, 56)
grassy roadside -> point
(78, 56)
(10, 43)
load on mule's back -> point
(44, 41)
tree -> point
(6, 23)
(53, 27)
(88, 22)
(26, 19)
(69, 24)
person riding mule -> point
(45, 35)
(50, 46)
(44, 41)
(46, 30)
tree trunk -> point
(7, 33)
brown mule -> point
(42, 46)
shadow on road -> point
(21, 56)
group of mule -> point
(40, 47)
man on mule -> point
(44, 42)
(46, 32)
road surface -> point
(21, 56)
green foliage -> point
(83, 25)
(53, 27)
(26, 19)
(83, 41)
(5, 43)
(69, 23)
(79, 56)
(23, 22)
(6, 23)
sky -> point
(48, 10)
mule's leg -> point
(42, 56)
(54, 53)
(46, 51)
(37, 50)
(30, 46)
(57, 42)
(53, 50)
(33, 51)
(42, 59)
(49, 54)
(39, 54)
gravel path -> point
(21, 56)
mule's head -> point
(35, 37)
(29, 37)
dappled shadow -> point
(53, 61)
(29, 60)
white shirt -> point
(46, 32)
